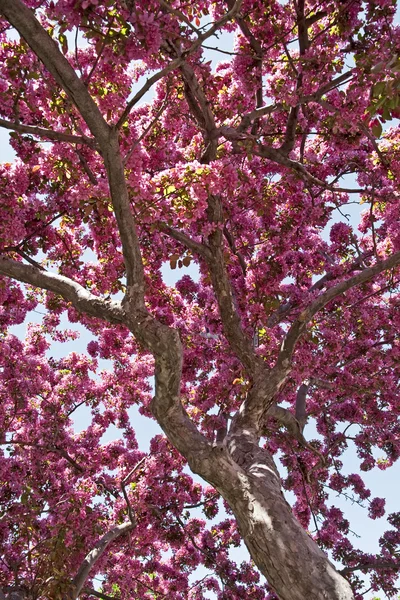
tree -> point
(238, 170)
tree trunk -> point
(295, 567)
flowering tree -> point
(237, 170)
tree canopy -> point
(135, 151)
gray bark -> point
(295, 567)
(93, 556)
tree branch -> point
(379, 564)
(54, 449)
(56, 136)
(327, 87)
(294, 427)
(147, 129)
(214, 251)
(299, 325)
(162, 341)
(184, 239)
(200, 109)
(243, 140)
(179, 14)
(248, 118)
(284, 309)
(197, 99)
(290, 133)
(124, 482)
(23, 19)
(149, 83)
(258, 60)
(269, 381)
(231, 242)
(301, 411)
(93, 556)
(277, 156)
(286, 418)
(240, 343)
(135, 288)
(86, 168)
(80, 298)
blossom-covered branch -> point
(269, 383)
(95, 554)
(298, 326)
(71, 291)
(55, 136)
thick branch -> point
(80, 298)
(185, 240)
(201, 111)
(301, 410)
(286, 418)
(56, 136)
(23, 19)
(240, 343)
(238, 340)
(293, 426)
(248, 118)
(197, 99)
(163, 342)
(267, 384)
(290, 133)
(93, 556)
(327, 87)
(126, 224)
(299, 325)
(214, 252)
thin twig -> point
(147, 129)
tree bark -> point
(293, 564)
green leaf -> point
(64, 43)
(377, 129)
(378, 89)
